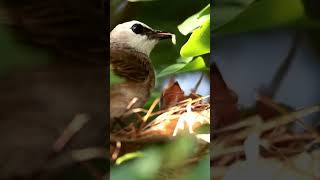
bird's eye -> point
(137, 28)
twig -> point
(132, 102)
(195, 89)
(275, 122)
(283, 69)
(153, 105)
(116, 151)
(88, 154)
(268, 101)
(75, 156)
(75, 125)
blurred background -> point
(252, 40)
(267, 61)
(53, 89)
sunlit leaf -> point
(171, 69)
(194, 65)
(205, 11)
(195, 21)
(184, 60)
(143, 168)
(197, 64)
(199, 42)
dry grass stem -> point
(277, 144)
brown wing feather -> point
(131, 65)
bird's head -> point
(138, 36)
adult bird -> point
(130, 46)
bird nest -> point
(269, 148)
(162, 126)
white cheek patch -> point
(142, 44)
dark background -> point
(52, 67)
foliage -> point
(236, 16)
(156, 161)
(185, 66)
(199, 42)
(197, 45)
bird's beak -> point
(159, 35)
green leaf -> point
(143, 168)
(196, 64)
(184, 60)
(199, 41)
(171, 69)
(205, 11)
(200, 171)
(195, 21)
(264, 14)
(128, 156)
(156, 158)
(179, 150)
(226, 10)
